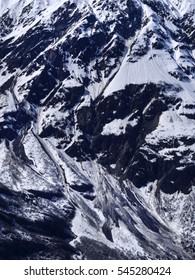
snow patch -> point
(118, 126)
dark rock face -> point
(97, 130)
(23, 237)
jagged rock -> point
(97, 125)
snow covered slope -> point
(97, 129)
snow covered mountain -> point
(97, 129)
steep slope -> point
(97, 129)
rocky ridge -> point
(97, 129)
